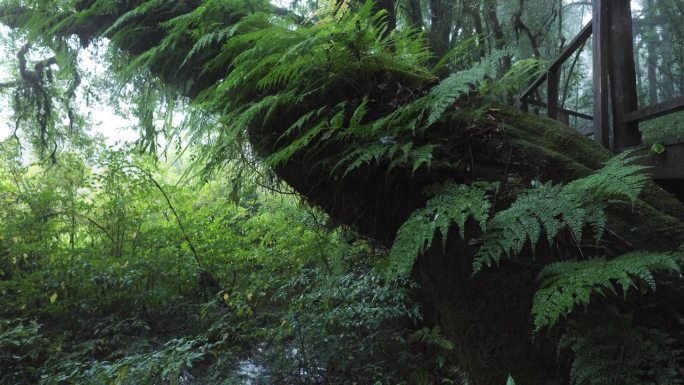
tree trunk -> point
(651, 38)
(487, 316)
(440, 26)
(414, 14)
(497, 33)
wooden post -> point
(600, 65)
(552, 82)
(622, 72)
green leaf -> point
(450, 205)
(657, 148)
(555, 208)
(568, 284)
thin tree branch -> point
(173, 210)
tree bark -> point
(440, 26)
(651, 38)
(414, 14)
(497, 33)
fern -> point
(609, 350)
(552, 208)
(568, 284)
(309, 135)
(461, 52)
(619, 178)
(521, 74)
(414, 118)
(135, 13)
(396, 153)
(458, 84)
(451, 204)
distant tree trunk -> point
(413, 13)
(440, 26)
(668, 45)
(651, 45)
(474, 13)
(521, 28)
(497, 32)
(639, 71)
(561, 35)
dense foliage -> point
(519, 231)
(99, 285)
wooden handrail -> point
(574, 45)
(655, 110)
(563, 110)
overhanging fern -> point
(551, 208)
(568, 284)
(451, 204)
(458, 84)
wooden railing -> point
(552, 78)
(616, 115)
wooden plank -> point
(600, 75)
(562, 110)
(552, 84)
(574, 45)
(655, 111)
(622, 72)
(668, 165)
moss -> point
(553, 135)
(645, 227)
(550, 164)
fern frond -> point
(207, 40)
(130, 16)
(359, 113)
(450, 205)
(607, 350)
(445, 94)
(578, 204)
(521, 74)
(568, 284)
(366, 155)
(459, 51)
(619, 178)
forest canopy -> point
(329, 192)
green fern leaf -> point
(578, 204)
(566, 285)
(450, 205)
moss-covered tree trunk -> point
(487, 316)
